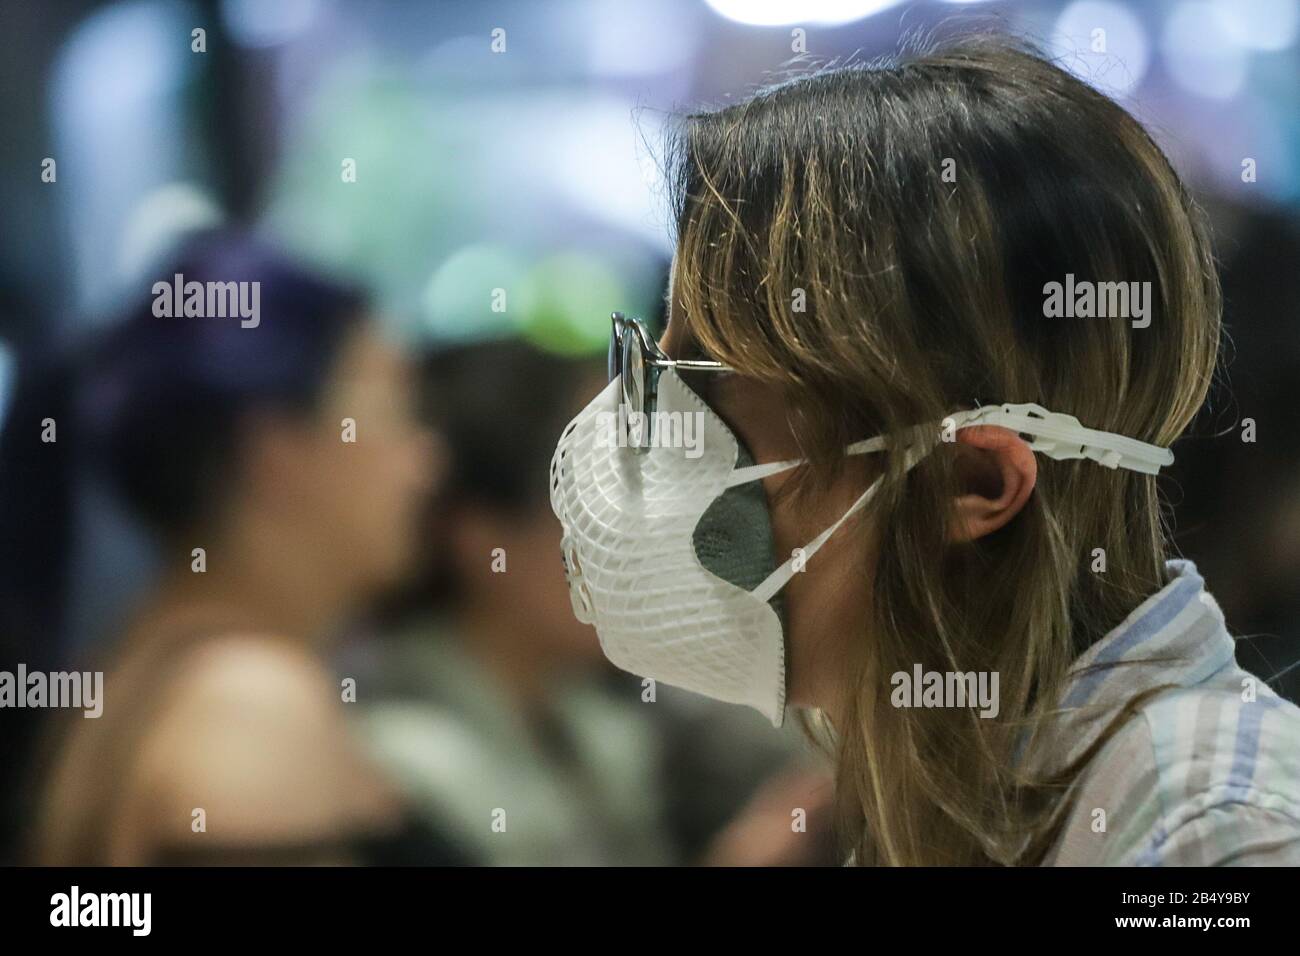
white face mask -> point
(631, 549)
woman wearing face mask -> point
(922, 505)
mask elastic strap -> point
(1063, 437)
(742, 476)
(1054, 434)
(782, 575)
(779, 578)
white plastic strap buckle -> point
(1062, 437)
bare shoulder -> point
(252, 664)
(250, 737)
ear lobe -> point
(999, 472)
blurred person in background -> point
(222, 738)
(494, 706)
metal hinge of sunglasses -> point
(637, 357)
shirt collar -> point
(1176, 637)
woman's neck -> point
(258, 583)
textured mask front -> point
(630, 551)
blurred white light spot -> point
(257, 23)
(1260, 24)
(635, 39)
(6, 379)
(1200, 53)
(776, 13)
(116, 108)
(603, 166)
(158, 222)
(1102, 44)
(119, 58)
(474, 293)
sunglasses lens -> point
(615, 362)
(618, 327)
(633, 386)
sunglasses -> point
(637, 357)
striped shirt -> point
(1207, 773)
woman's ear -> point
(997, 470)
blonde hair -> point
(922, 295)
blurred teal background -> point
(524, 160)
